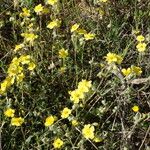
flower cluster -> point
(15, 71)
(133, 70)
(87, 36)
(141, 46)
(79, 93)
(15, 121)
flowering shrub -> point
(74, 75)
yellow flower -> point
(141, 47)
(136, 70)
(135, 108)
(89, 36)
(88, 131)
(49, 121)
(63, 53)
(17, 121)
(25, 12)
(103, 1)
(65, 113)
(20, 77)
(113, 58)
(9, 112)
(140, 38)
(74, 122)
(58, 143)
(97, 139)
(25, 59)
(29, 37)
(84, 85)
(74, 27)
(52, 2)
(38, 9)
(31, 66)
(126, 72)
(18, 47)
(76, 95)
(6, 84)
(54, 24)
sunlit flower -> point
(97, 139)
(141, 47)
(126, 72)
(140, 38)
(49, 121)
(17, 121)
(76, 95)
(113, 58)
(89, 36)
(25, 12)
(63, 53)
(54, 24)
(52, 2)
(25, 59)
(31, 66)
(9, 112)
(104, 1)
(84, 85)
(74, 27)
(29, 37)
(65, 113)
(135, 108)
(38, 9)
(88, 131)
(58, 143)
(18, 47)
(74, 122)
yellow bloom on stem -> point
(126, 72)
(89, 36)
(88, 131)
(52, 2)
(74, 122)
(17, 121)
(74, 27)
(49, 121)
(136, 70)
(97, 139)
(84, 85)
(29, 37)
(18, 47)
(38, 9)
(104, 1)
(135, 108)
(113, 58)
(20, 77)
(76, 95)
(9, 112)
(63, 53)
(31, 66)
(141, 47)
(65, 113)
(58, 143)
(140, 38)
(54, 24)
(25, 59)
(25, 12)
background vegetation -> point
(108, 106)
